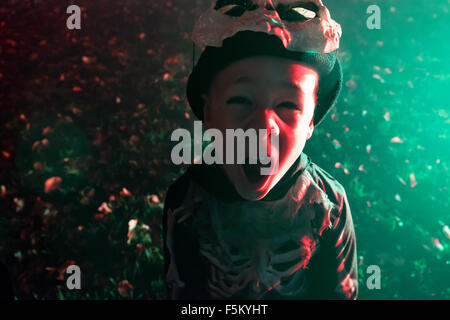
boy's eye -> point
(239, 100)
(289, 105)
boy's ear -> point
(310, 129)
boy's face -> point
(263, 93)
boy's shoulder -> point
(177, 190)
(328, 183)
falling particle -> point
(446, 231)
(3, 191)
(125, 192)
(47, 130)
(364, 113)
(6, 154)
(104, 208)
(412, 179)
(338, 165)
(19, 204)
(142, 35)
(368, 148)
(154, 198)
(52, 183)
(387, 70)
(410, 84)
(77, 89)
(397, 197)
(38, 166)
(437, 244)
(118, 100)
(176, 98)
(350, 84)
(346, 171)
(166, 76)
(361, 168)
(131, 229)
(387, 116)
(336, 144)
(186, 115)
(125, 288)
(401, 180)
(86, 59)
(368, 204)
(396, 140)
(378, 77)
(99, 216)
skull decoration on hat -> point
(304, 26)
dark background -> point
(88, 113)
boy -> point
(229, 231)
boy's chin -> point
(254, 192)
(252, 195)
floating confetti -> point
(104, 208)
(52, 183)
(412, 179)
(125, 288)
(396, 140)
(336, 144)
(131, 229)
(446, 231)
(125, 192)
(437, 244)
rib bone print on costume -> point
(252, 248)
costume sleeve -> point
(172, 277)
(334, 272)
(344, 240)
(184, 271)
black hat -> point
(246, 44)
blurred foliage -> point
(85, 143)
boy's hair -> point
(245, 44)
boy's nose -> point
(265, 119)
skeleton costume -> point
(298, 242)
